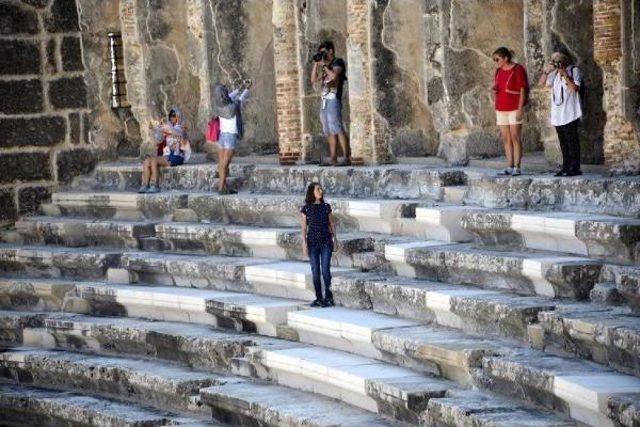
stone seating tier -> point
(463, 299)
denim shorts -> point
(331, 117)
(228, 141)
(175, 160)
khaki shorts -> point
(505, 118)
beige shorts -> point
(505, 118)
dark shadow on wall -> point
(577, 41)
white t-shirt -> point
(229, 125)
(565, 105)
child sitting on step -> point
(176, 149)
(318, 237)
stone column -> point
(135, 69)
(368, 131)
(621, 145)
(288, 81)
(198, 23)
(537, 46)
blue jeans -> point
(320, 258)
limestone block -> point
(26, 405)
(146, 382)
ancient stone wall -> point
(460, 76)
(621, 139)
(44, 111)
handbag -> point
(213, 131)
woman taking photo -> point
(228, 108)
(511, 87)
(318, 237)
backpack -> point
(526, 89)
(582, 91)
(213, 130)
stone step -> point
(444, 352)
(242, 402)
(276, 243)
(533, 273)
(189, 344)
(204, 348)
(189, 177)
(598, 236)
(240, 311)
(373, 215)
(469, 408)
(81, 232)
(576, 388)
(627, 283)
(28, 406)
(385, 181)
(117, 205)
(444, 222)
(454, 194)
(146, 382)
(473, 310)
(610, 336)
(619, 196)
(286, 279)
(362, 382)
(56, 261)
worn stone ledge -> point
(588, 194)
(604, 237)
(141, 381)
(22, 405)
(43, 261)
(466, 308)
(125, 206)
(535, 273)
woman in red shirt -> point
(511, 87)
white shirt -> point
(565, 104)
(231, 125)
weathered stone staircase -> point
(465, 299)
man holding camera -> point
(330, 71)
(565, 81)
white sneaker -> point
(516, 172)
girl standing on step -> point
(175, 147)
(228, 108)
(511, 88)
(318, 238)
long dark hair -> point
(310, 198)
(504, 52)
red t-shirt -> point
(507, 86)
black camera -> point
(556, 64)
(320, 56)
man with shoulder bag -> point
(566, 84)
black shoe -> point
(574, 173)
(317, 303)
(561, 172)
(328, 302)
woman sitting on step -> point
(228, 108)
(176, 149)
(318, 238)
